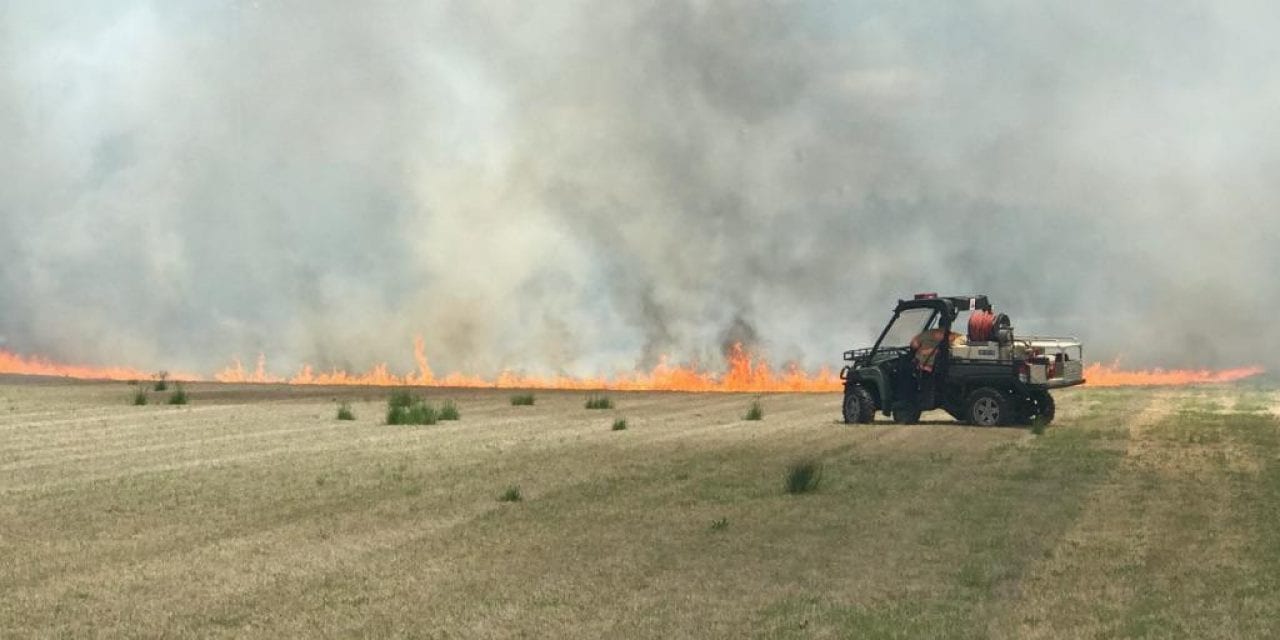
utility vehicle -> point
(987, 376)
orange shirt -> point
(926, 347)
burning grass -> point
(745, 372)
(1111, 375)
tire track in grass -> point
(612, 538)
(175, 431)
(261, 566)
(1166, 541)
(149, 429)
(114, 457)
(964, 540)
(446, 594)
(1067, 582)
(162, 429)
(439, 470)
(108, 429)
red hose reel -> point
(982, 325)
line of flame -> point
(1110, 375)
(38, 366)
(746, 373)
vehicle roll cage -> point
(945, 308)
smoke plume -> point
(575, 187)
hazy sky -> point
(578, 187)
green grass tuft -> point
(422, 413)
(522, 400)
(179, 395)
(162, 381)
(1038, 426)
(720, 524)
(450, 411)
(404, 408)
(600, 401)
(400, 399)
(511, 494)
(139, 397)
(756, 412)
(345, 413)
(804, 477)
(620, 424)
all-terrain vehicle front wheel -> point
(987, 407)
(859, 406)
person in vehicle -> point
(925, 346)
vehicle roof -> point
(947, 304)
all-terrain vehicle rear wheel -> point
(987, 407)
(1044, 407)
(859, 407)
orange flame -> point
(1110, 375)
(37, 366)
(746, 372)
(235, 372)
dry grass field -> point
(254, 512)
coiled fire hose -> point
(982, 325)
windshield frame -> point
(920, 318)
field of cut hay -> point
(255, 512)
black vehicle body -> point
(1001, 381)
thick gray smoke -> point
(580, 187)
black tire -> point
(1044, 407)
(987, 407)
(1036, 408)
(906, 416)
(859, 407)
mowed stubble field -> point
(253, 512)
